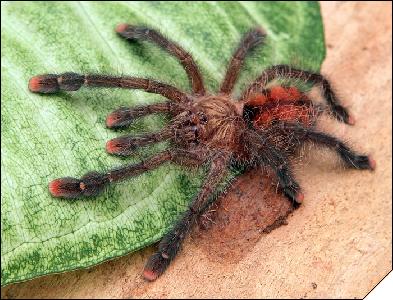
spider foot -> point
(44, 84)
(295, 204)
(342, 114)
(119, 118)
(298, 200)
(124, 116)
(372, 163)
(122, 146)
(155, 266)
(126, 145)
(363, 162)
(68, 187)
(52, 83)
(167, 250)
(294, 196)
(121, 28)
(133, 32)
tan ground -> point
(338, 244)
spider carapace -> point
(263, 128)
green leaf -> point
(46, 137)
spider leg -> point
(273, 158)
(285, 71)
(250, 40)
(125, 145)
(189, 158)
(52, 83)
(177, 132)
(124, 116)
(265, 153)
(350, 157)
(92, 183)
(143, 33)
(171, 242)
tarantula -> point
(264, 128)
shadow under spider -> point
(233, 224)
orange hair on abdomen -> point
(281, 104)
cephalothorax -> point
(264, 127)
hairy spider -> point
(264, 128)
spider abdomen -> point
(278, 103)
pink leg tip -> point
(149, 275)
(46, 84)
(300, 197)
(35, 84)
(372, 162)
(351, 120)
(121, 27)
(120, 146)
(116, 146)
(66, 187)
(55, 188)
(110, 121)
(111, 146)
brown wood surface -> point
(337, 245)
